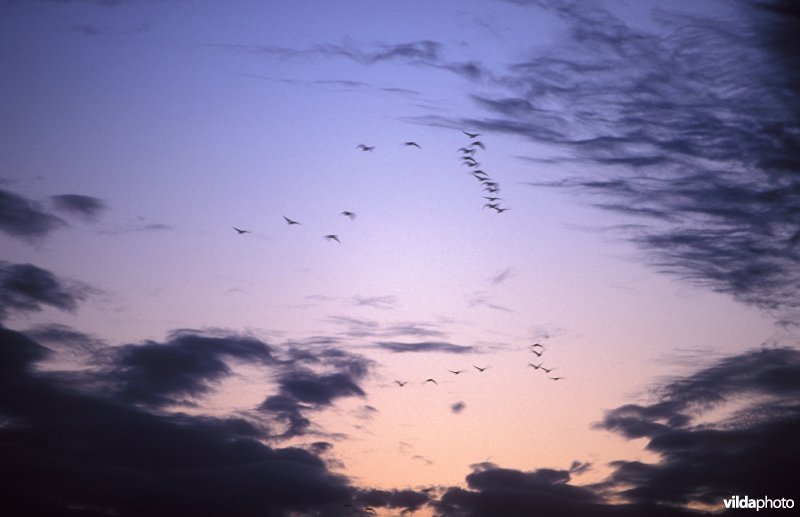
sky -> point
(590, 307)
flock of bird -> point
(537, 349)
(490, 186)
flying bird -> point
(289, 221)
(500, 210)
(479, 144)
(537, 344)
(479, 368)
(455, 372)
(538, 354)
(240, 231)
(333, 237)
(555, 378)
(547, 370)
(431, 380)
(401, 383)
(412, 144)
(365, 147)
(492, 198)
(471, 135)
(491, 205)
(535, 366)
(466, 150)
(351, 215)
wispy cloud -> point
(388, 301)
(87, 207)
(25, 219)
(424, 346)
(28, 288)
(694, 131)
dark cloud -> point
(499, 491)
(302, 390)
(694, 131)
(748, 452)
(67, 448)
(25, 288)
(185, 366)
(25, 219)
(408, 500)
(87, 207)
(424, 346)
(457, 407)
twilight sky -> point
(156, 360)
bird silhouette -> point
(240, 231)
(479, 368)
(500, 210)
(537, 345)
(401, 383)
(547, 370)
(471, 135)
(492, 198)
(412, 144)
(479, 144)
(467, 150)
(289, 221)
(365, 147)
(535, 366)
(491, 205)
(555, 378)
(538, 354)
(455, 372)
(431, 380)
(333, 237)
(351, 215)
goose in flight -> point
(479, 368)
(349, 214)
(365, 147)
(471, 135)
(547, 370)
(456, 372)
(537, 345)
(240, 231)
(479, 144)
(500, 210)
(492, 198)
(401, 383)
(431, 380)
(535, 366)
(333, 237)
(289, 221)
(412, 144)
(555, 378)
(538, 354)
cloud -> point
(66, 338)
(25, 219)
(186, 365)
(408, 500)
(26, 288)
(703, 460)
(87, 207)
(424, 346)
(302, 390)
(502, 276)
(694, 131)
(69, 448)
(379, 302)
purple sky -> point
(646, 153)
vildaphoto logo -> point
(738, 502)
